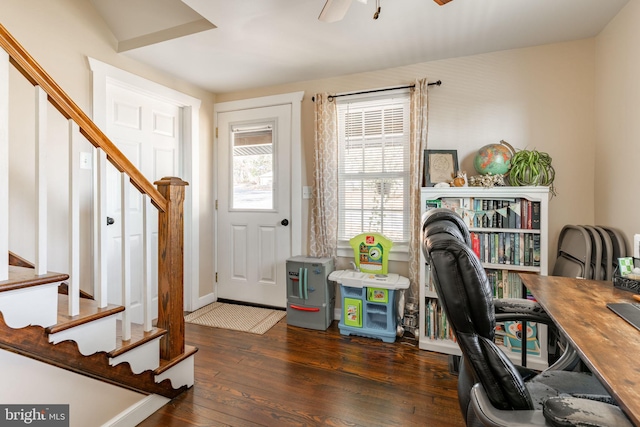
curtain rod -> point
(332, 97)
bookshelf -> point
(509, 230)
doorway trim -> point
(294, 99)
(189, 157)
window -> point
(373, 166)
(252, 166)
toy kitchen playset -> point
(372, 298)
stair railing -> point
(168, 199)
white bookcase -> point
(509, 226)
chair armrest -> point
(520, 309)
(489, 416)
(563, 411)
(558, 411)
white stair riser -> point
(142, 358)
(35, 305)
(181, 374)
(92, 337)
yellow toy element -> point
(371, 251)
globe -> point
(493, 159)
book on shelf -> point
(536, 250)
(535, 215)
(475, 244)
(432, 204)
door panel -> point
(146, 131)
(267, 237)
(254, 198)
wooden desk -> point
(608, 345)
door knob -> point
(284, 222)
(110, 221)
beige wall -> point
(60, 35)
(540, 97)
(617, 154)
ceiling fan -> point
(335, 10)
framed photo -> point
(439, 166)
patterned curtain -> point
(324, 201)
(419, 117)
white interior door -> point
(146, 130)
(254, 204)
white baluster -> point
(126, 255)
(74, 219)
(41, 181)
(147, 211)
(100, 228)
(4, 163)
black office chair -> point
(492, 391)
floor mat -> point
(255, 320)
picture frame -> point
(439, 166)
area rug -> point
(255, 320)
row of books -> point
(507, 248)
(493, 213)
(436, 324)
(507, 333)
(505, 283)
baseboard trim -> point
(205, 300)
(137, 413)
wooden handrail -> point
(168, 198)
(36, 75)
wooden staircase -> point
(44, 315)
(89, 343)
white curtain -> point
(324, 201)
(419, 117)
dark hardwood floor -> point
(292, 376)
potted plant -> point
(532, 167)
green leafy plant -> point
(532, 167)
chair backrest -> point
(574, 253)
(466, 298)
(596, 253)
(618, 244)
(607, 253)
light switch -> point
(306, 192)
(85, 160)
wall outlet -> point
(636, 245)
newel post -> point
(170, 267)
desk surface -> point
(608, 345)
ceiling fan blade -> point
(442, 2)
(334, 10)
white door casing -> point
(104, 75)
(250, 250)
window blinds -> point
(373, 166)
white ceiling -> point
(231, 45)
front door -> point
(146, 130)
(254, 204)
